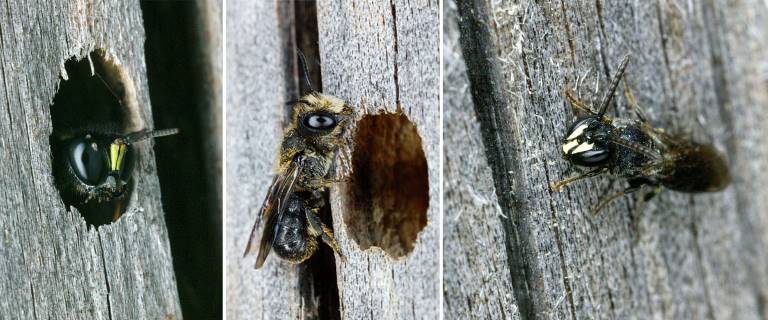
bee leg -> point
(317, 200)
(116, 213)
(577, 105)
(632, 102)
(562, 183)
(318, 229)
(605, 201)
(640, 206)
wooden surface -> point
(698, 68)
(255, 96)
(54, 266)
(358, 65)
(477, 277)
(380, 57)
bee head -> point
(320, 116)
(96, 166)
(88, 170)
(587, 142)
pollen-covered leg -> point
(560, 184)
(318, 229)
(577, 105)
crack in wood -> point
(489, 102)
(568, 35)
(106, 275)
(560, 251)
(318, 278)
(34, 304)
(395, 56)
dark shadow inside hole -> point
(87, 104)
(390, 185)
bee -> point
(311, 157)
(95, 166)
(634, 150)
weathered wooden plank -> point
(257, 89)
(697, 68)
(54, 266)
(477, 281)
(382, 57)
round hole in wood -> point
(389, 189)
(95, 99)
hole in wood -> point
(389, 187)
(94, 102)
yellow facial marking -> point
(570, 145)
(116, 155)
(577, 132)
(583, 147)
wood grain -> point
(54, 266)
(256, 93)
(382, 57)
(477, 282)
(698, 68)
(400, 72)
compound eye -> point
(581, 128)
(319, 121)
(592, 157)
(87, 161)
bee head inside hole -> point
(96, 127)
(389, 189)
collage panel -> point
(110, 160)
(398, 159)
(602, 156)
(333, 164)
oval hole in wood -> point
(389, 188)
(85, 102)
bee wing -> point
(275, 202)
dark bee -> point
(92, 167)
(634, 150)
(310, 159)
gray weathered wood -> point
(698, 68)
(256, 93)
(54, 266)
(358, 53)
(477, 282)
(380, 57)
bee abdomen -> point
(696, 168)
(292, 242)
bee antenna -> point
(147, 134)
(304, 68)
(614, 84)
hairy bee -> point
(312, 156)
(91, 167)
(634, 150)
